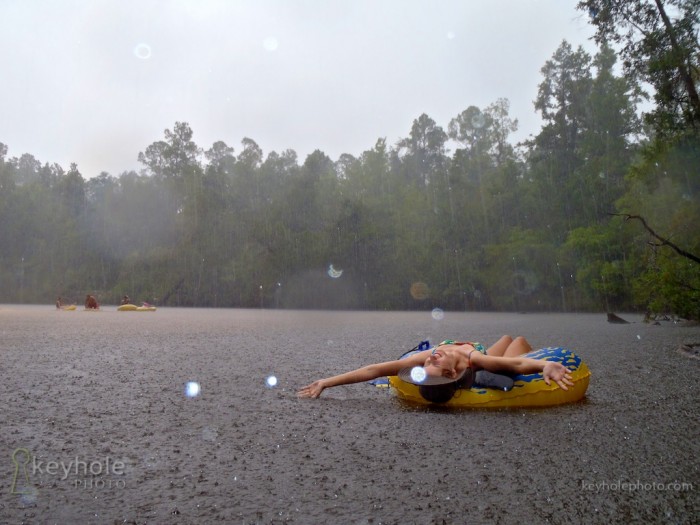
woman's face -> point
(440, 363)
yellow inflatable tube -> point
(529, 390)
(127, 308)
(134, 308)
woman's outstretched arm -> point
(366, 373)
(550, 370)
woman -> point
(450, 365)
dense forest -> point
(597, 211)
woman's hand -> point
(557, 372)
(313, 390)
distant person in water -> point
(59, 303)
(126, 300)
(451, 365)
(91, 303)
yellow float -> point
(134, 308)
(529, 390)
(127, 308)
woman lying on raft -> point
(451, 365)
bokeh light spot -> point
(271, 44)
(420, 291)
(333, 273)
(29, 496)
(478, 120)
(209, 434)
(192, 389)
(142, 51)
(271, 382)
(418, 374)
(524, 282)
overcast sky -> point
(96, 81)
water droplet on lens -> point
(478, 121)
(420, 291)
(271, 44)
(418, 374)
(271, 382)
(142, 51)
(333, 273)
(438, 314)
(29, 496)
(209, 434)
(192, 389)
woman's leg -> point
(518, 346)
(499, 348)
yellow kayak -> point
(134, 308)
(127, 308)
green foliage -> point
(604, 261)
(658, 41)
(664, 188)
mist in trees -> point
(454, 215)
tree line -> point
(583, 216)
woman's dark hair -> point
(443, 393)
(438, 393)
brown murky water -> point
(97, 404)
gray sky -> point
(96, 81)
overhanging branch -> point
(664, 242)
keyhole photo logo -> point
(20, 479)
(98, 474)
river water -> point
(100, 426)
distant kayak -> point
(134, 308)
(127, 308)
(68, 308)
